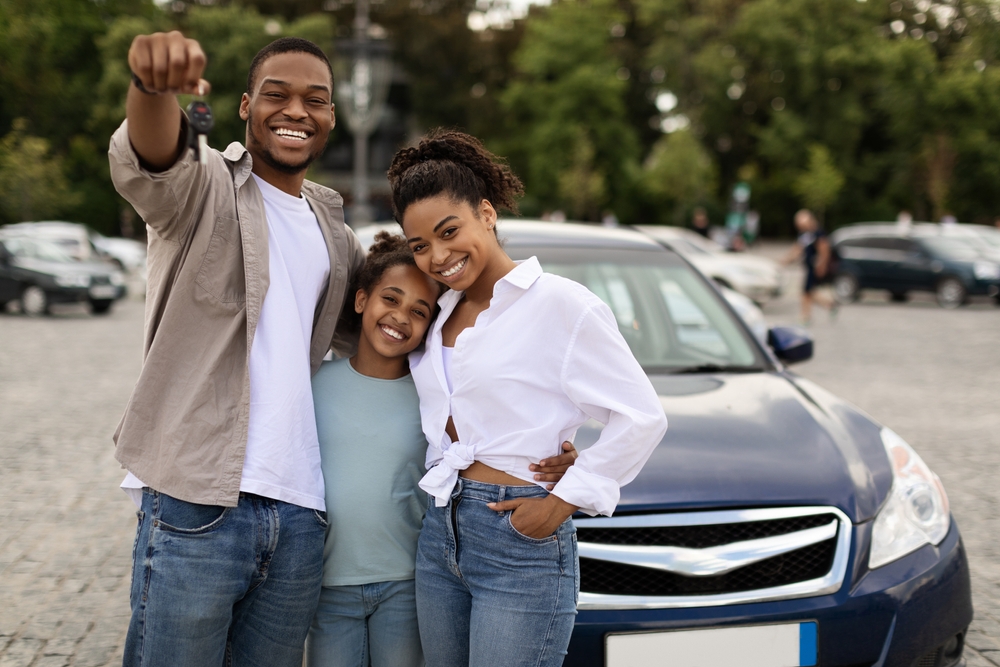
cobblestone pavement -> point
(66, 529)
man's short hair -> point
(285, 45)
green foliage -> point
(679, 174)
(821, 182)
(569, 135)
(33, 185)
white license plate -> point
(784, 645)
(103, 292)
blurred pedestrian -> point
(996, 222)
(699, 221)
(904, 219)
(609, 219)
(249, 267)
(813, 246)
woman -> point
(813, 246)
(517, 360)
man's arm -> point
(166, 64)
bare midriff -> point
(480, 472)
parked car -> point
(757, 277)
(919, 257)
(776, 524)
(86, 244)
(745, 307)
(39, 273)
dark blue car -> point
(953, 262)
(776, 525)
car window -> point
(36, 249)
(669, 316)
(951, 248)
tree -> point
(820, 183)
(679, 173)
(566, 118)
(33, 184)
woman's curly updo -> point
(453, 163)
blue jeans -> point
(488, 595)
(368, 625)
(213, 586)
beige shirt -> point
(184, 431)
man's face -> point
(289, 113)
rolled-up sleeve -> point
(603, 379)
(164, 200)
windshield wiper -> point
(716, 368)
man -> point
(699, 221)
(248, 267)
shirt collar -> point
(522, 276)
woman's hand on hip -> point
(537, 518)
(553, 469)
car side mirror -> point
(790, 344)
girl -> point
(517, 360)
(373, 451)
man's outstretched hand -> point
(553, 469)
(168, 62)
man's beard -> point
(270, 160)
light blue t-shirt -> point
(372, 449)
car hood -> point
(757, 440)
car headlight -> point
(117, 278)
(916, 512)
(986, 270)
(73, 280)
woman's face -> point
(452, 242)
(396, 313)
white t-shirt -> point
(282, 456)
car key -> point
(200, 123)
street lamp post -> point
(361, 98)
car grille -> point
(100, 280)
(711, 558)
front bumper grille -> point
(711, 558)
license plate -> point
(783, 645)
(103, 292)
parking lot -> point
(66, 529)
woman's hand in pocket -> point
(536, 518)
(553, 469)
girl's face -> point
(452, 242)
(396, 313)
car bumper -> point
(889, 617)
(984, 287)
(75, 294)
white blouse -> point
(542, 359)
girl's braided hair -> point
(453, 163)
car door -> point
(869, 259)
(915, 270)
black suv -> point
(918, 257)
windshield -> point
(37, 249)
(671, 319)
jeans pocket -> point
(551, 539)
(184, 518)
(321, 519)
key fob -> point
(200, 123)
